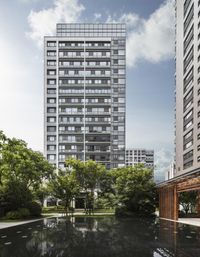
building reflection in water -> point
(95, 237)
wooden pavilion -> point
(169, 193)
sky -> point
(150, 66)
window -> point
(51, 63)
(51, 72)
(51, 43)
(51, 81)
(187, 165)
(51, 138)
(51, 91)
(188, 115)
(121, 100)
(51, 100)
(189, 134)
(188, 125)
(188, 59)
(51, 119)
(189, 39)
(51, 157)
(188, 19)
(51, 147)
(51, 53)
(188, 79)
(51, 129)
(188, 100)
(115, 51)
(186, 5)
(51, 110)
(189, 144)
(121, 128)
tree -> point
(22, 171)
(135, 189)
(188, 201)
(65, 188)
(89, 175)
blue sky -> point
(150, 66)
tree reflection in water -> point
(105, 237)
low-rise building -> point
(135, 156)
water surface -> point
(100, 237)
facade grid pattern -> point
(84, 80)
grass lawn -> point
(78, 212)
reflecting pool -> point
(105, 237)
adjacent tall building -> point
(187, 86)
(84, 89)
(135, 156)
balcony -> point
(98, 113)
(71, 113)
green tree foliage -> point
(64, 187)
(89, 175)
(22, 171)
(135, 189)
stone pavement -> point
(190, 221)
(8, 224)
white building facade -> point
(135, 156)
(187, 86)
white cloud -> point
(132, 20)
(97, 16)
(43, 23)
(163, 159)
(152, 39)
(27, 1)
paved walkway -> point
(190, 221)
(16, 223)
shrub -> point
(24, 213)
(13, 215)
(18, 214)
(35, 209)
(121, 211)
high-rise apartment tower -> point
(187, 86)
(84, 88)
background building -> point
(84, 88)
(169, 174)
(135, 156)
(187, 86)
